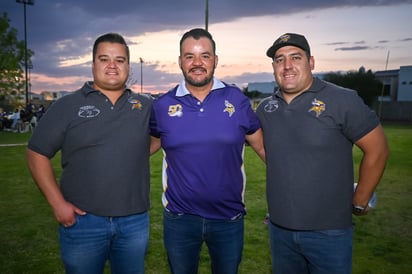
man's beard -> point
(199, 83)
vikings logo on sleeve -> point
(175, 110)
(318, 107)
(229, 108)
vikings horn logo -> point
(136, 104)
(175, 110)
(229, 108)
(284, 38)
(318, 107)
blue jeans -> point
(92, 240)
(314, 252)
(184, 235)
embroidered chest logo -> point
(175, 110)
(88, 111)
(136, 104)
(318, 107)
(271, 106)
(229, 108)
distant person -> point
(102, 131)
(203, 125)
(26, 119)
(31, 107)
(309, 128)
(2, 119)
(40, 112)
(15, 119)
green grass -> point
(382, 240)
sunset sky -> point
(343, 35)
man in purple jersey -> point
(202, 126)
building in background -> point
(395, 103)
(397, 84)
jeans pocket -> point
(76, 221)
(335, 232)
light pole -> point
(141, 74)
(207, 15)
(383, 87)
(26, 2)
(30, 67)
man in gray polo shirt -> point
(102, 132)
(309, 128)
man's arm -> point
(375, 155)
(42, 172)
(255, 140)
(155, 144)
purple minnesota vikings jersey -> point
(203, 145)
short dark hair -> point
(111, 38)
(197, 34)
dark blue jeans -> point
(92, 240)
(184, 235)
(314, 252)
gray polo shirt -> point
(104, 147)
(309, 155)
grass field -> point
(382, 241)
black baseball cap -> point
(289, 39)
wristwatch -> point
(358, 209)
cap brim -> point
(271, 52)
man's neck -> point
(200, 93)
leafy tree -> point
(12, 61)
(364, 82)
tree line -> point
(362, 81)
(12, 63)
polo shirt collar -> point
(317, 85)
(182, 90)
(88, 88)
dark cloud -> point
(64, 30)
(352, 48)
(336, 43)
